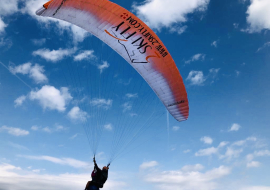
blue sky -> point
(56, 79)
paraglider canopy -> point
(133, 40)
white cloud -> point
(215, 44)
(214, 72)
(175, 12)
(77, 114)
(250, 157)
(258, 15)
(14, 131)
(175, 128)
(129, 95)
(101, 103)
(235, 127)
(262, 153)
(187, 151)
(256, 188)
(243, 142)
(35, 128)
(253, 164)
(15, 178)
(222, 144)
(19, 101)
(74, 136)
(236, 25)
(47, 130)
(2, 26)
(56, 128)
(127, 106)
(85, 55)
(183, 180)
(207, 151)
(61, 161)
(22, 69)
(147, 165)
(8, 7)
(267, 44)
(6, 43)
(51, 98)
(192, 168)
(178, 29)
(207, 140)
(108, 127)
(231, 153)
(239, 143)
(105, 65)
(39, 42)
(237, 73)
(54, 55)
(197, 57)
(18, 146)
(196, 78)
(35, 72)
(59, 127)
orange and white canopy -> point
(133, 40)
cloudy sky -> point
(58, 83)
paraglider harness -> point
(98, 179)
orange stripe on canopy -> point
(46, 5)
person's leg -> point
(92, 187)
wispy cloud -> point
(207, 151)
(129, 95)
(253, 164)
(231, 153)
(147, 165)
(74, 136)
(250, 158)
(175, 128)
(178, 29)
(108, 127)
(51, 98)
(56, 128)
(19, 101)
(17, 146)
(189, 177)
(85, 55)
(104, 66)
(102, 103)
(215, 44)
(192, 168)
(14, 131)
(187, 151)
(127, 106)
(39, 42)
(197, 57)
(62, 161)
(267, 44)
